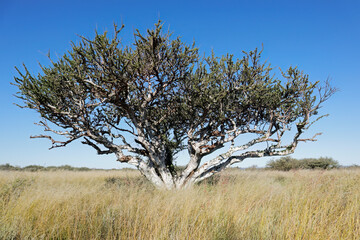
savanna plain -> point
(237, 204)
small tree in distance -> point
(146, 102)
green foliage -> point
(284, 164)
(320, 163)
(288, 163)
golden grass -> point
(121, 205)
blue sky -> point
(320, 37)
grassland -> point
(238, 204)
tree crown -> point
(148, 101)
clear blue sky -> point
(320, 37)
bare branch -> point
(99, 151)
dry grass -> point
(237, 205)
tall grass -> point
(300, 204)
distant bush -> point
(70, 168)
(288, 163)
(354, 166)
(35, 168)
(8, 167)
(322, 163)
(283, 164)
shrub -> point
(288, 163)
(284, 164)
(319, 163)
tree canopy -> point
(148, 101)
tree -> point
(146, 102)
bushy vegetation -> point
(237, 205)
(8, 167)
(288, 163)
(35, 168)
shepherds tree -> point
(148, 101)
